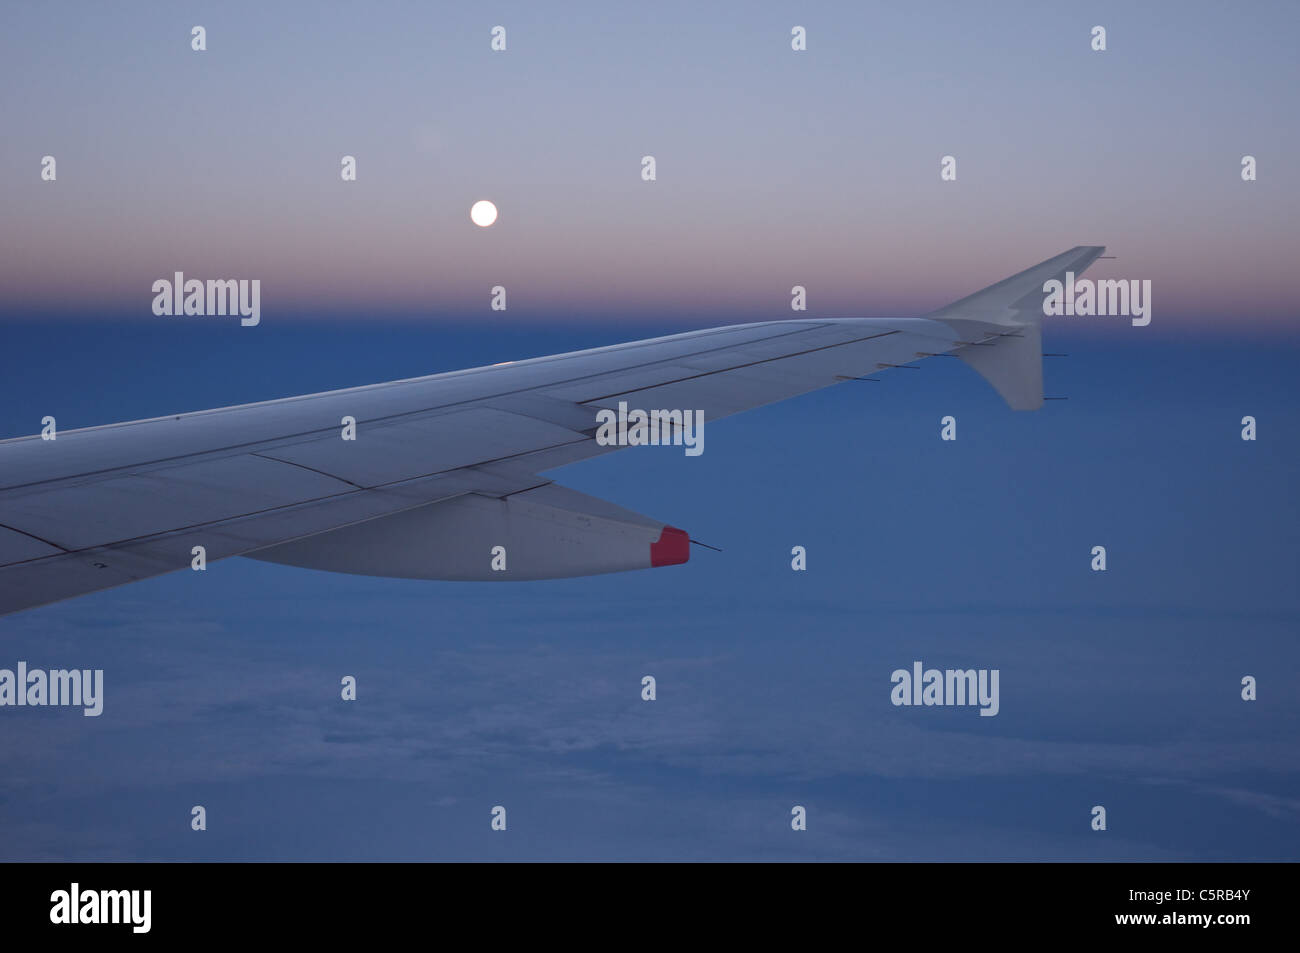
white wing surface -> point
(444, 468)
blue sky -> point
(1119, 689)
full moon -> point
(483, 214)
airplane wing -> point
(446, 469)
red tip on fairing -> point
(672, 548)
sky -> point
(1119, 688)
(774, 167)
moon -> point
(483, 213)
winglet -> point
(1013, 364)
(999, 326)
